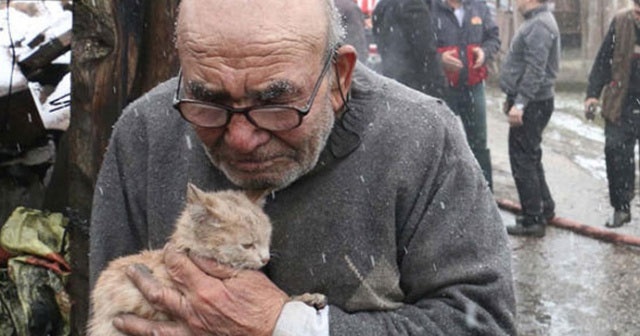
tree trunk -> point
(121, 49)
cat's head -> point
(225, 225)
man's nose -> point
(241, 135)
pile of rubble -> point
(35, 85)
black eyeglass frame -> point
(302, 112)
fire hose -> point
(568, 224)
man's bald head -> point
(315, 23)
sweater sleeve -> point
(455, 260)
(116, 214)
(600, 73)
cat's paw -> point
(316, 300)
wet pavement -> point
(566, 283)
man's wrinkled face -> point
(254, 158)
(231, 63)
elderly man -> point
(393, 224)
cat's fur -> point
(225, 225)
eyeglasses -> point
(268, 117)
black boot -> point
(618, 218)
(533, 226)
(548, 216)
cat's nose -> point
(265, 260)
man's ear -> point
(345, 64)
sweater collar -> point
(348, 130)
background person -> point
(528, 78)
(616, 75)
(400, 241)
(353, 23)
(406, 44)
(467, 38)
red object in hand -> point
(475, 76)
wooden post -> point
(120, 49)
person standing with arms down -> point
(353, 23)
(467, 38)
(616, 75)
(528, 78)
(407, 47)
(401, 242)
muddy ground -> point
(567, 283)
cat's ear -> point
(194, 195)
(198, 211)
(257, 196)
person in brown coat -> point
(615, 76)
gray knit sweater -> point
(396, 224)
(531, 67)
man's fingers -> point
(160, 296)
(136, 326)
(515, 119)
(515, 122)
(184, 272)
(480, 57)
(213, 268)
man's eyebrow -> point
(277, 89)
(200, 92)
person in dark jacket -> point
(528, 78)
(467, 38)
(406, 44)
(616, 75)
(353, 23)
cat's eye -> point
(247, 246)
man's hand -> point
(480, 57)
(450, 62)
(515, 116)
(589, 111)
(218, 301)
